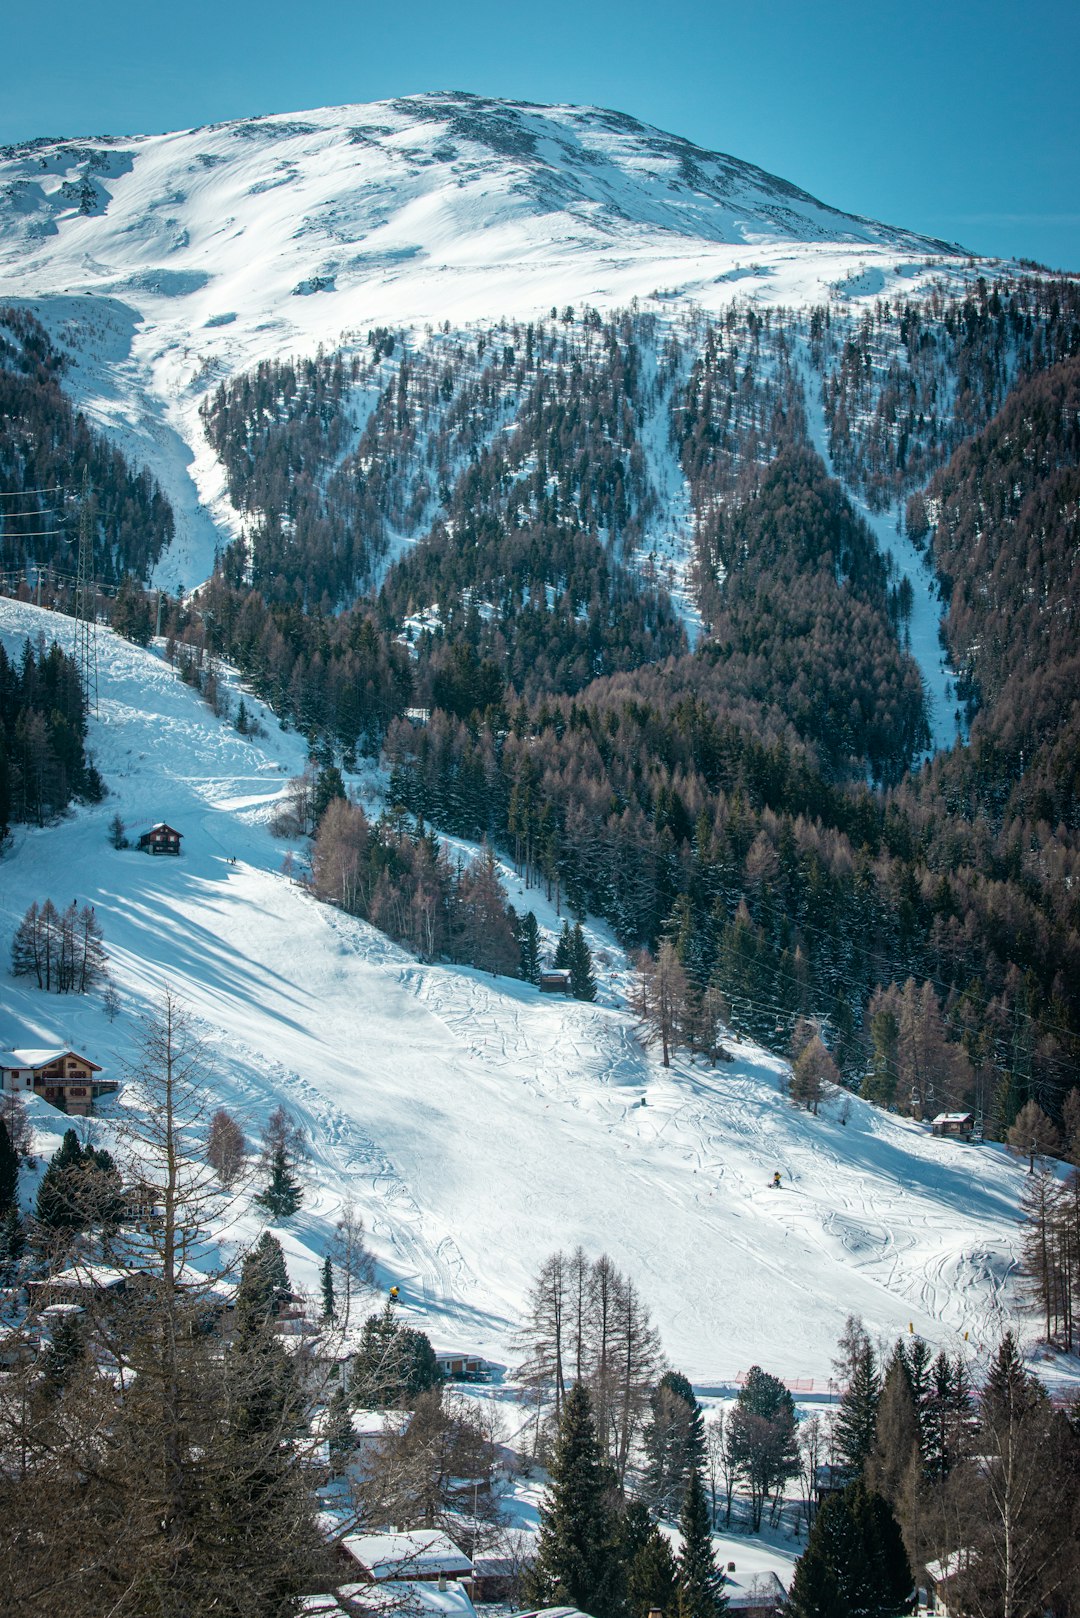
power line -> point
(20, 494)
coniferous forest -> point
(462, 525)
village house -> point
(161, 839)
(939, 1579)
(63, 1077)
(463, 1367)
(424, 1555)
(954, 1125)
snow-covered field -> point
(477, 1124)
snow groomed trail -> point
(477, 1124)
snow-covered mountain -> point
(164, 264)
(432, 206)
(478, 1124)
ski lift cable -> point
(20, 494)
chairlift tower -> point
(86, 604)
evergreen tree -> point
(855, 1426)
(340, 1437)
(394, 1364)
(281, 1195)
(9, 1170)
(896, 1434)
(576, 1562)
(329, 1303)
(12, 1243)
(582, 981)
(761, 1439)
(529, 945)
(854, 1565)
(700, 1583)
(264, 1286)
(564, 949)
(674, 1442)
(80, 1188)
(651, 1575)
(65, 1352)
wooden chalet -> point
(954, 1125)
(161, 839)
(555, 981)
(63, 1077)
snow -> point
(478, 1124)
(422, 1552)
(164, 264)
(943, 712)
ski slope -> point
(478, 1124)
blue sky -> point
(957, 119)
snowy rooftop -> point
(40, 1058)
(424, 1552)
(414, 1598)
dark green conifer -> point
(700, 1582)
(854, 1565)
(576, 1557)
(650, 1574)
(9, 1170)
(329, 1303)
(529, 944)
(582, 981)
(674, 1442)
(282, 1194)
(856, 1419)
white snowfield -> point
(477, 1124)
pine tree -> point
(761, 1439)
(329, 1305)
(576, 1551)
(564, 949)
(264, 1285)
(651, 1575)
(854, 1565)
(281, 1195)
(80, 1188)
(700, 1583)
(65, 1352)
(529, 944)
(855, 1426)
(340, 1437)
(674, 1443)
(582, 981)
(9, 1170)
(896, 1435)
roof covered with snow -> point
(424, 1552)
(33, 1058)
(414, 1598)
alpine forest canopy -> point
(728, 760)
(48, 451)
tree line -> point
(43, 760)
